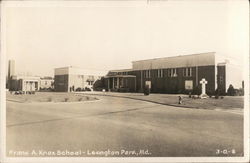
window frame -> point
(187, 72)
(147, 74)
(172, 72)
(160, 73)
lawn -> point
(228, 102)
(48, 97)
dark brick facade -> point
(61, 83)
(129, 84)
(221, 79)
(175, 84)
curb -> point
(15, 101)
(141, 100)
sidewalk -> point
(172, 100)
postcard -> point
(125, 81)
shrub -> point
(99, 89)
(181, 91)
(187, 92)
(231, 91)
(99, 84)
(78, 89)
(114, 90)
(87, 89)
(220, 92)
(196, 90)
(210, 92)
(146, 90)
(123, 90)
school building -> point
(24, 83)
(68, 79)
(46, 83)
(179, 74)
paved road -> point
(111, 126)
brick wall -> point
(175, 84)
(221, 79)
(61, 83)
(167, 84)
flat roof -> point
(17, 77)
(191, 60)
(72, 70)
(121, 70)
(120, 76)
(187, 55)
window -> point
(147, 74)
(188, 84)
(172, 72)
(187, 72)
(169, 72)
(90, 82)
(160, 73)
(125, 73)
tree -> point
(231, 91)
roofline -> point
(47, 79)
(65, 67)
(26, 76)
(173, 56)
(112, 76)
(75, 67)
(121, 70)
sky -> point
(41, 36)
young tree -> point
(231, 90)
